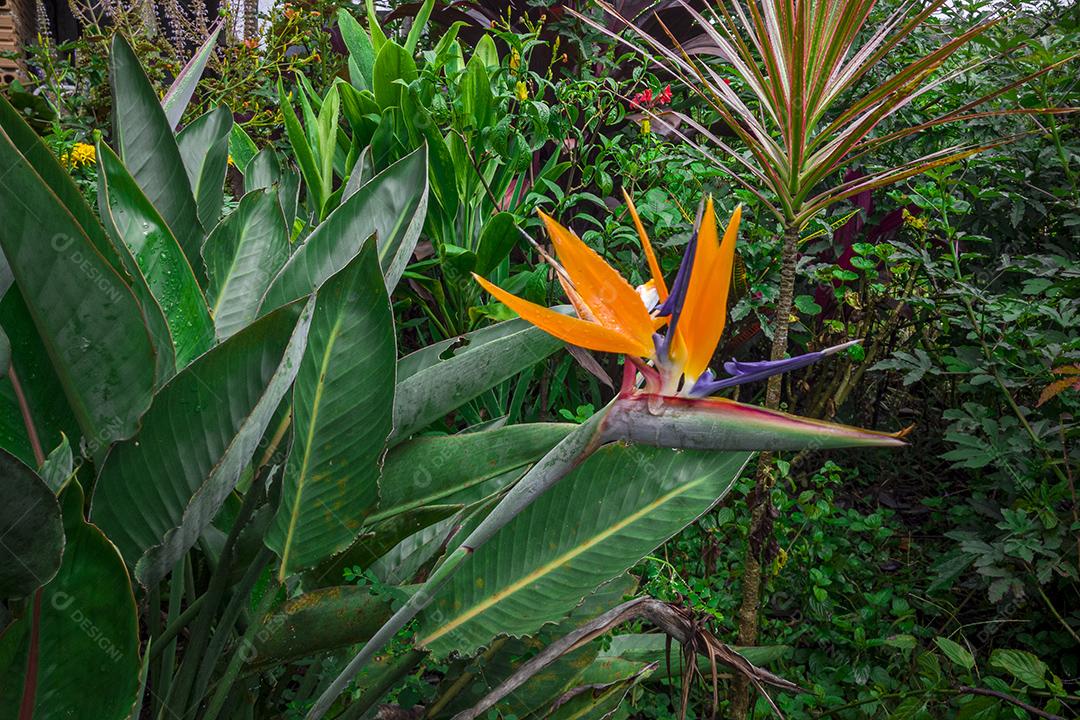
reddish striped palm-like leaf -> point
(805, 62)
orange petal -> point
(650, 256)
(568, 329)
(613, 302)
(705, 312)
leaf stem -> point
(27, 418)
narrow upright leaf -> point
(343, 404)
(157, 492)
(361, 52)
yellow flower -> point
(646, 127)
(521, 91)
(515, 60)
(230, 161)
(80, 155)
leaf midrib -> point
(294, 516)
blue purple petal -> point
(747, 372)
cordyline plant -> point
(804, 111)
(664, 400)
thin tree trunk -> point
(760, 504)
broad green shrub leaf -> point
(303, 151)
(204, 149)
(30, 526)
(183, 87)
(435, 387)
(595, 523)
(956, 652)
(57, 179)
(59, 182)
(497, 239)
(157, 492)
(343, 402)
(393, 66)
(148, 148)
(88, 641)
(429, 470)
(475, 92)
(1022, 665)
(87, 318)
(392, 206)
(137, 226)
(242, 255)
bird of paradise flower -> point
(668, 339)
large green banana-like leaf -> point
(507, 655)
(376, 540)
(31, 534)
(241, 147)
(183, 87)
(429, 470)
(392, 206)
(430, 393)
(266, 171)
(343, 404)
(137, 225)
(318, 621)
(56, 178)
(59, 182)
(204, 149)
(598, 691)
(149, 150)
(82, 631)
(243, 254)
(41, 388)
(600, 519)
(157, 492)
(86, 316)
